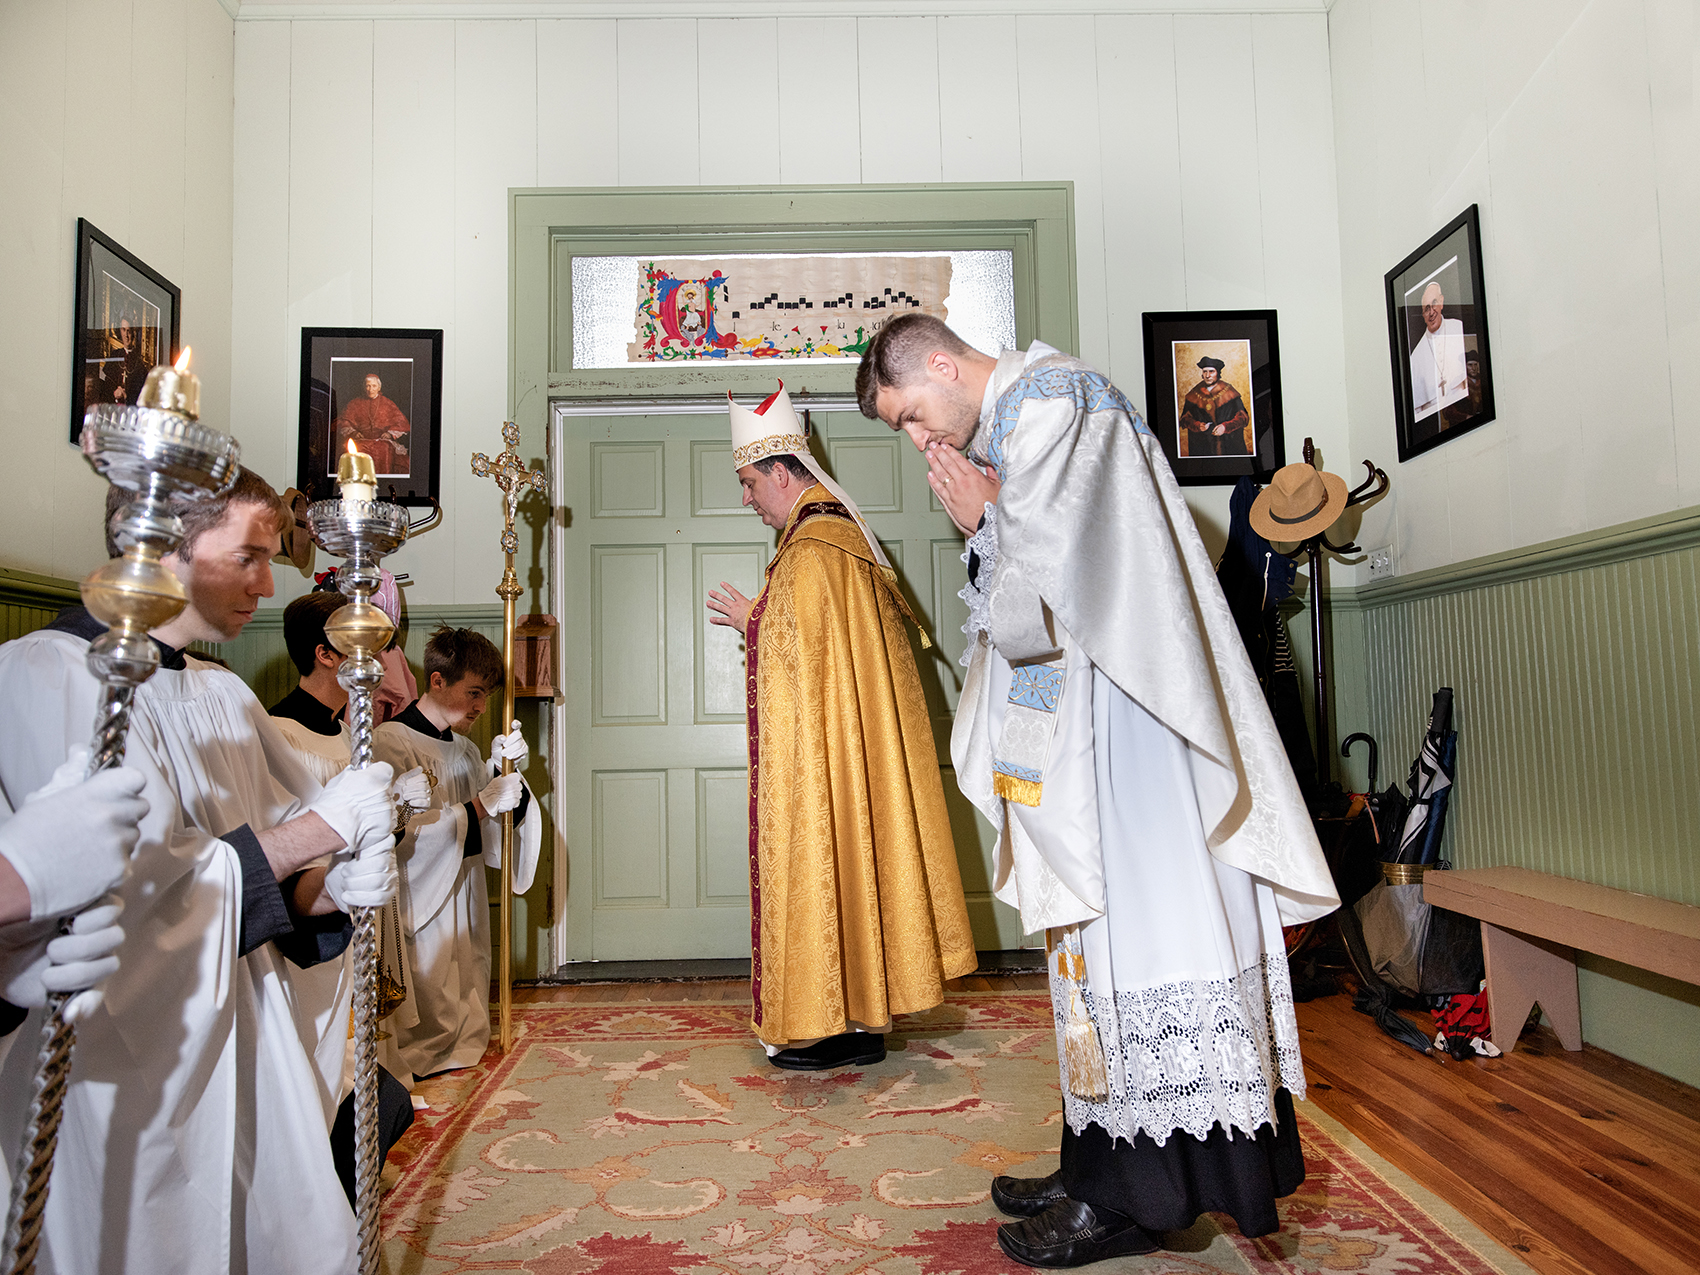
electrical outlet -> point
(1381, 563)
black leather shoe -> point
(859, 1049)
(1027, 1197)
(1070, 1233)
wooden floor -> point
(1583, 1164)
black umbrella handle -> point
(1374, 754)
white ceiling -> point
(273, 10)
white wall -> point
(1574, 126)
(118, 111)
(373, 161)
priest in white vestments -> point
(1111, 729)
(193, 1140)
(445, 903)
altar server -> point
(1111, 729)
(445, 904)
(193, 1140)
(856, 900)
(311, 718)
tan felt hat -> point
(1299, 502)
(297, 545)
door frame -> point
(546, 227)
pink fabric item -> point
(387, 598)
(397, 690)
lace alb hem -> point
(1191, 1055)
(983, 542)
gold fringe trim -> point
(1024, 792)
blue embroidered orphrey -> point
(1091, 392)
(1036, 686)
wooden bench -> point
(1533, 924)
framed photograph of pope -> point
(379, 390)
(1213, 393)
(1437, 331)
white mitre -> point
(773, 429)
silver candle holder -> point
(362, 533)
(158, 451)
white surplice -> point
(1105, 674)
(194, 1138)
(325, 999)
(445, 903)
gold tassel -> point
(1087, 1075)
(1024, 792)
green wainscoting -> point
(1576, 667)
(28, 601)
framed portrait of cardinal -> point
(378, 390)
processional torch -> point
(361, 530)
(159, 452)
(514, 480)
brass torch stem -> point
(509, 591)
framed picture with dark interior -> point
(125, 323)
(1213, 393)
(379, 390)
(1437, 332)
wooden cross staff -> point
(514, 480)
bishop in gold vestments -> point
(855, 896)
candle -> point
(356, 477)
(173, 389)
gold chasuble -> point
(855, 897)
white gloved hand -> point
(500, 794)
(356, 804)
(364, 880)
(511, 746)
(71, 839)
(41, 962)
(412, 789)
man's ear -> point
(941, 367)
(327, 656)
(436, 682)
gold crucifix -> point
(514, 480)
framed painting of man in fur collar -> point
(1213, 391)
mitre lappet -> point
(773, 429)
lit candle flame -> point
(182, 364)
(352, 449)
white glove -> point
(356, 804)
(77, 962)
(511, 746)
(500, 794)
(412, 789)
(364, 880)
(71, 839)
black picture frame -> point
(403, 431)
(1428, 409)
(126, 320)
(1247, 344)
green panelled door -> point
(654, 803)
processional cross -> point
(514, 480)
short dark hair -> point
(794, 464)
(461, 653)
(304, 627)
(898, 354)
(201, 516)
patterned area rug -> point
(657, 1140)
